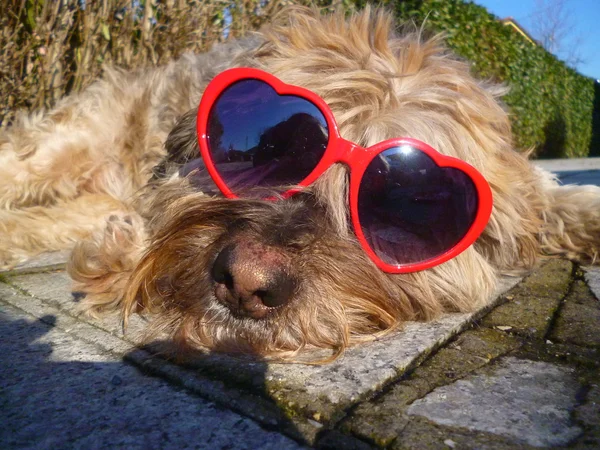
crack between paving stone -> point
(35, 270)
(489, 362)
(576, 275)
(581, 397)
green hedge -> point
(595, 144)
(551, 104)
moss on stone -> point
(422, 434)
(486, 342)
(579, 319)
(534, 301)
(381, 420)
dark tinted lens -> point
(410, 209)
(260, 138)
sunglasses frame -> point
(357, 159)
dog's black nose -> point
(253, 279)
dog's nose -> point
(252, 279)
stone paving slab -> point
(532, 402)
(592, 278)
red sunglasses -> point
(412, 208)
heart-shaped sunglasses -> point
(411, 207)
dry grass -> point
(49, 48)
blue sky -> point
(583, 14)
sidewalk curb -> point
(567, 164)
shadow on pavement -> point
(60, 392)
(580, 177)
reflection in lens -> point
(412, 210)
(258, 138)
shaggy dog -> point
(105, 173)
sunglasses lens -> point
(258, 138)
(410, 209)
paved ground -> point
(569, 165)
(523, 372)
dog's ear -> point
(181, 145)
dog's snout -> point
(252, 279)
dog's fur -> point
(105, 172)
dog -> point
(114, 173)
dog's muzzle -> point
(253, 279)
